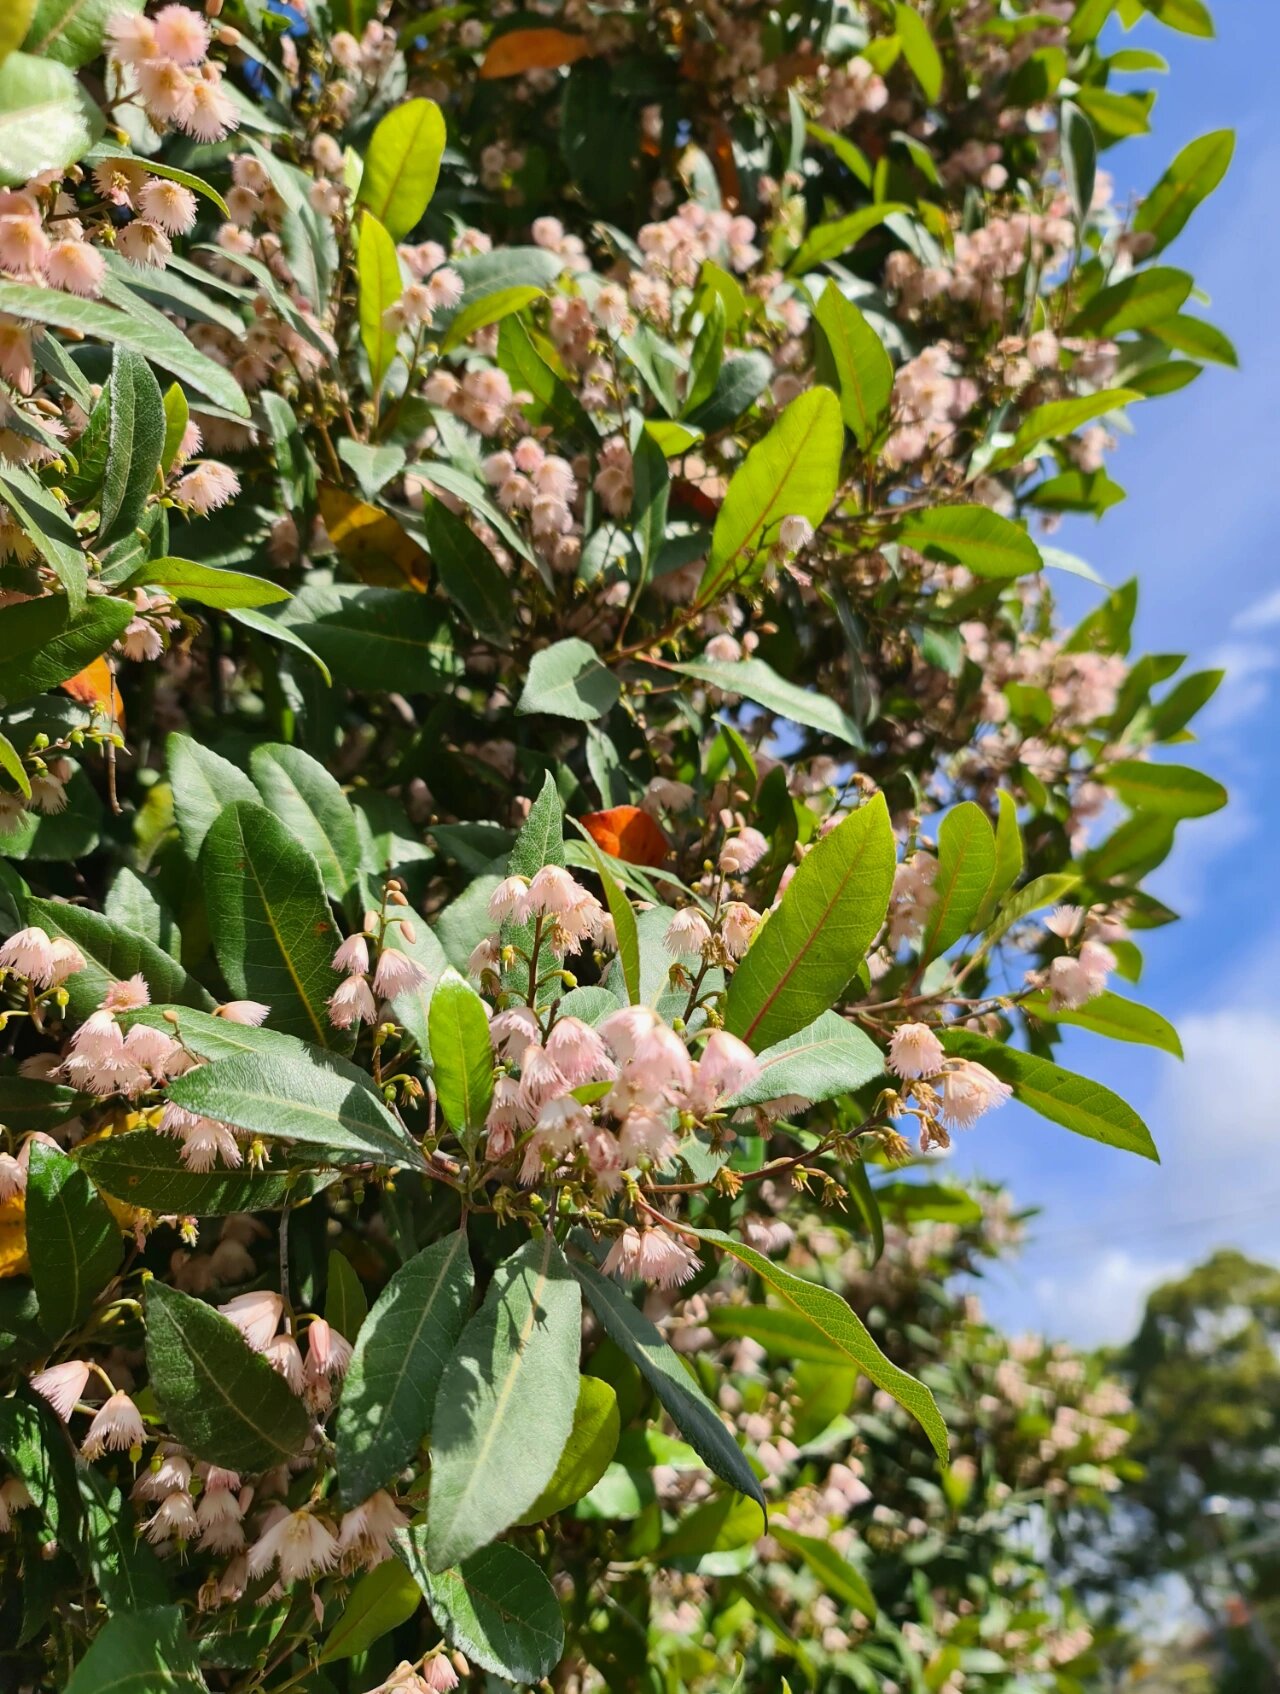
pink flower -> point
(144, 244)
(915, 1051)
(117, 1426)
(352, 957)
(14, 1497)
(207, 487)
(512, 1031)
(181, 34)
(29, 953)
(743, 851)
(17, 360)
(541, 1079)
(132, 36)
(687, 934)
(127, 995)
(352, 1002)
(62, 1386)
(212, 114)
(726, 1067)
(651, 1255)
(968, 1090)
(552, 893)
(396, 974)
(169, 204)
(285, 1357)
(256, 1316)
(369, 1530)
(578, 1052)
(205, 1142)
(249, 1012)
(507, 899)
(645, 1135)
(23, 242)
(175, 1517)
(13, 1179)
(166, 90)
(300, 1543)
(737, 927)
(795, 532)
(328, 1353)
(1064, 921)
(438, 1675)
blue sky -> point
(1200, 530)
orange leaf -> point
(371, 541)
(627, 833)
(95, 686)
(532, 50)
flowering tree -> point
(536, 750)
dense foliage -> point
(537, 753)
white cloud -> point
(1245, 687)
(1262, 614)
(1104, 1302)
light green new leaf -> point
(592, 1442)
(1172, 790)
(207, 585)
(505, 1405)
(1189, 17)
(72, 1240)
(1141, 300)
(154, 338)
(829, 1058)
(389, 1391)
(497, 1607)
(671, 1380)
(1058, 418)
(380, 287)
(135, 444)
(272, 930)
(13, 767)
(862, 370)
(309, 803)
(307, 1096)
(1009, 858)
(793, 470)
(47, 120)
(567, 680)
(782, 1334)
(383, 1599)
(141, 1650)
(1073, 1101)
(402, 165)
(43, 641)
(489, 309)
(974, 536)
(461, 1054)
(1041, 891)
(808, 950)
(838, 1577)
(966, 866)
(757, 681)
(14, 24)
(224, 1402)
(918, 49)
(833, 240)
(842, 1327)
(1113, 1016)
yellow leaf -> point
(13, 1237)
(371, 541)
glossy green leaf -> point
(346, 1305)
(158, 341)
(592, 1442)
(47, 120)
(505, 1404)
(43, 641)
(497, 1607)
(489, 309)
(383, 1599)
(402, 165)
(841, 1326)
(71, 31)
(1113, 1016)
(1059, 418)
(203, 782)
(270, 922)
(1194, 336)
(918, 49)
(462, 1057)
(1172, 790)
(760, 683)
(810, 947)
(47, 526)
(224, 1402)
(36, 1448)
(974, 536)
(29, 1102)
(677, 1388)
(124, 1570)
(567, 680)
(374, 638)
(826, 1059)
(146, 1169)
(380, 287)
(72, 1240)
(782, 1334)
(1073, 1101)
(147, 1650)
(389, 1391)
(13, 767)
(1079, 158)
(792, 471)
(307, 1096)
(311, 806)
(966, 866)
(135, 443)
(1009, 857)
(861, 369)
(833, 240)
(1139, 301)
(624, 925)
(1189, 17)
(838, 1577)
(469, 573)
(208, 585)
(112, 954)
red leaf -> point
(628, 833)
(522, 50)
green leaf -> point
(345, 1304)
(497, 1607)
(861, 369)
(34, 1444)
(1139, 301)
(833, 240)
(221, 1400)
(1079, 158)
(741, 382)
(135, 443)
(146, 1170)
(535, 369)
(462, 1057)
(299, 791)
(1058, 418)
(723, 1524)
(13, 767)
(412, 1009)
(649, 502)
(127, 1574)
(29, 1102)
(1040, 891)
(1009, 858)
(966, 866)
(505, 1406)
(71, 31)
(842, 1327)
(757, 681)
(402, 165)
(927, 1202)
(838, 1577)
(203, 782)
(377, 639)
(270, 922)
(307, 1096)
(918, 49)
(72, 1240)
(112, 954)
(828, 1058)
(43, 641)
(167, 346)
(1111, 1015)
(624, 925)
(155, 167)
(708, 355)
(47, 120)
(380, 287)
(469, 573)
(793, 470)
(48, 527)
(389, 1392)
(808, 950)
(783, 1335)
(489, 309)
(383, 1599)
(1193, 335)
(567, 680)
(208, 585)
(1190, 17)
(592, 1442)
(541, 838)
(1064, 1098)
(676, 1387)
(1172, 790)
(973, 536)
(144, 1651)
